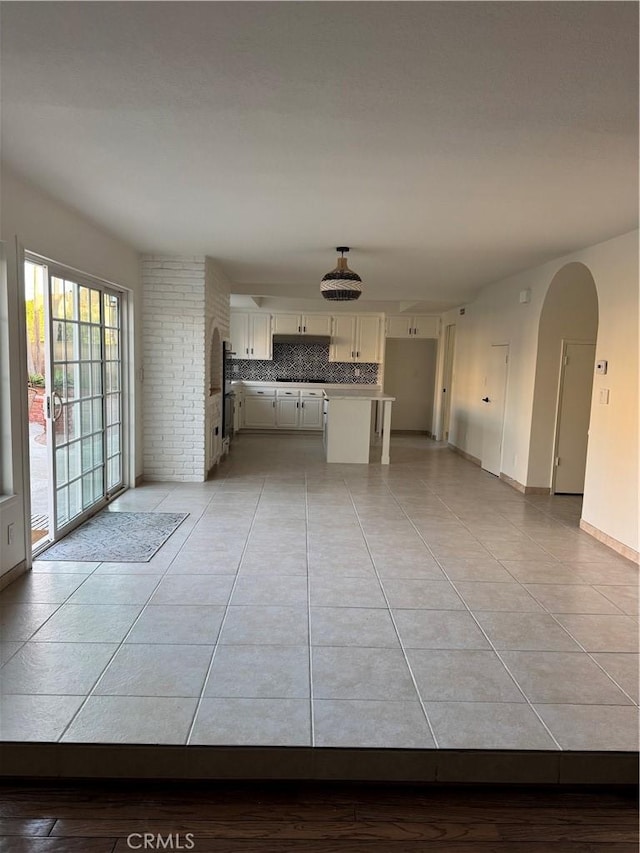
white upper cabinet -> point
(260, 341)
(316, 324)
(301, 324)
(251, 335)
(356, 338)
(343, 339)
(417, 326)
(368, 339)
(239, 333)
(286, 324)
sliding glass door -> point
(84, 398)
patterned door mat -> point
(117, 537)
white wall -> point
(611, 482)
(410, 372)
(47, 227)
(496, 316)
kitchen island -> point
(348, 415)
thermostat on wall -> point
(601, 366)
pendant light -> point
(341, 284)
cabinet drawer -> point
(259, 392)
(287, 392)
(306, 393)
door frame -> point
(564, 343)
(127, 380)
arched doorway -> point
(567, 336)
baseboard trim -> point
(524, 490)
(464, 454)
(12, 574)
(138, 481)
(610, 542)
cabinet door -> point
(259, 412)
(260, 339)
(316, 324)
(238, 412)
(287, 410)
(426, 327)
(311, 412)
(239, 332)
(287, 324)
(398, 326)
(368, 349)
(343, 339)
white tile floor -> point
(425, 604)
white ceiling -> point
(449, 144)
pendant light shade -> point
(341, 284)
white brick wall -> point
(184, 299)
(173, 350)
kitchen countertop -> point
(356, 393)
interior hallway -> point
(421, 605)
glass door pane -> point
(77, 399)
(113, 389)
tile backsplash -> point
(302, 362)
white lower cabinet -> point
(282, 408)
(311, 413)
(259, 412)
(287, 411)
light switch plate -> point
(604, 396)
(601, 366)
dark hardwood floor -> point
(314, 818)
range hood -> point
(302, 339)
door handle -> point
(485, 400)
(57, 414)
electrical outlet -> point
(235, 368)
(10, 529)
(356, 372)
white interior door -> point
(572, 420)
(447, 379)
(493, 408)
(84, 401)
